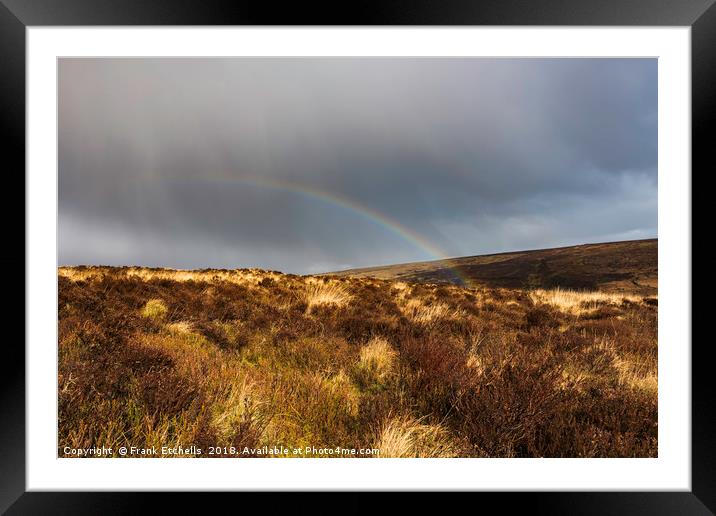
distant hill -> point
(629, 266)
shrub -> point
(435, 372)
(502, 416)
(267, 282)
(541, 316)
(154, 309)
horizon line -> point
(327, 273)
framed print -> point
(435, 250)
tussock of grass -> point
(320, 293)
(636, 372)
(408, 437)
(179, 328)
(421, 313)
(340, 387)
(475, 363)
(377, 359)
(233, 409)
(602, 363)
(155, 309)
(633, 377)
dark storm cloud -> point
(292, 164)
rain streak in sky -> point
(316, 164)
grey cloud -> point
(473, 155)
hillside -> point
(629, 266)
(233, 363)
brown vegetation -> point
(617, 267)
(249, 358)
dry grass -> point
(602, 362)
(580, 302)
(234, 408)
(377, 359)
(639, 377)
(250, 359)
(81, 274)
(418, 311)
(238, 276)
(320, 293)
(408, 437)
(179, 328)
(155, 309)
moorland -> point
(549, 353)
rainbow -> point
(335, 200)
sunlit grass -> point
(249, 359)
(578, 301)
(326, 294)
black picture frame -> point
(17, 15)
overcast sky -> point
(312, 164)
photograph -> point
(357, 257)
